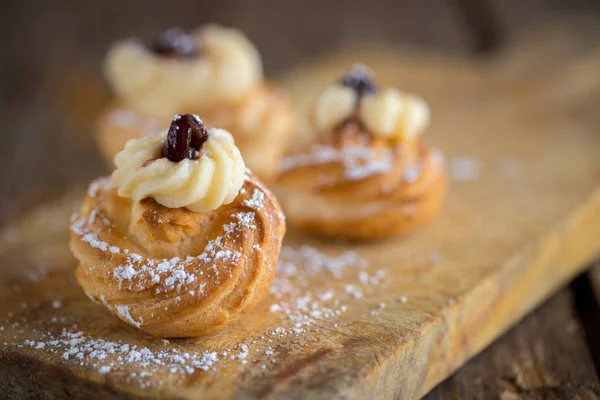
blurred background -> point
(52, 90)
(52, 52)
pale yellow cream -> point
(333, 106)
(228, 67)
(391, 113)
(203, 184)
(388, 113)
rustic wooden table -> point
(51, 89)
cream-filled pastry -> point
(368, 174)
(182, 239)
(214, 71)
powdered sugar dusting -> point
(299, 305)
(257, 201)
(312, 291)
(412, 173)
(79, 228)
(106, 356)
(123, 311)
(101, 185)
(359, 162)
(138, 272)
(246, 219)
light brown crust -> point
(260, 124)
(394, 197)
(173, 272)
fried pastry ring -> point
(356, 187)
(368, 174)
(174, 272)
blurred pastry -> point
(368, 174)
(183, 239)
(215, 72)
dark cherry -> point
(186, 136)
(175, 42)
(359, 78)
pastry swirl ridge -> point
(368, 173)
(173, 272)
(359, 187)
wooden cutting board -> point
(389, 319)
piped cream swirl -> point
(391, 113)
(214, 178)
(387, 113)
(228, 67)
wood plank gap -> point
(588, 309)
(544, 356)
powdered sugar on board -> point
(464, 168)
(104, 356)
(298, 306)
(318, 292)
(312, 294)
(301, 304)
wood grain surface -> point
(552, 363)
(522, 217)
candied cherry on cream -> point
(186, 136)
(175, 42)
(360, 79)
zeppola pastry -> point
(368, 174)
(215, 72)
(183, 239)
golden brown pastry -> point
(368, 174)
(215, 72)
(182, 240)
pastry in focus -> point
(182, 239)
(368, 174)
(215, 72)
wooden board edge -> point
(543, 356)
(507, 295)
(562, 253)
(523, 282)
